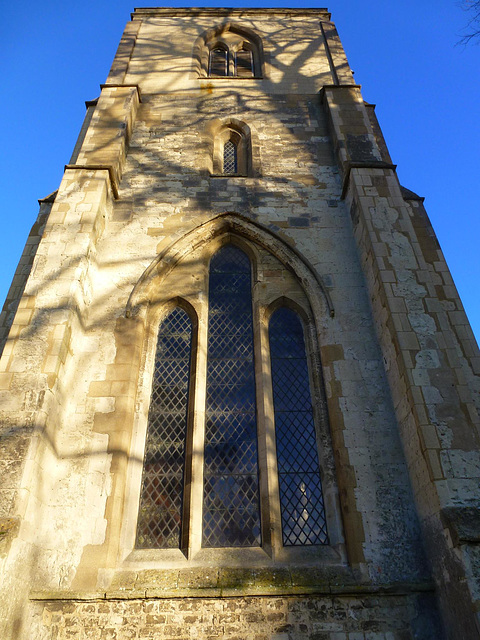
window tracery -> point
(230, 50)
(237, 508)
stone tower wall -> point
(139, 213)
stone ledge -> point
(97, 167)
(398, 589)
(463, 523)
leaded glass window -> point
(218, 62)
(230, 159)
(231, 514)
(244, 63)
(160, 513)
(301, 499)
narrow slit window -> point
(218, 62)
(161, 501)
(231, 513)
(301, 498)
(244, 63)
(230, 158)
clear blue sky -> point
(404, 54)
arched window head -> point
(301, 498)
(218, 61)
(161, 500)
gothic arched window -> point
(231, 452)
(233, 51)
(231, 149)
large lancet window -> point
(231, 515)
(225, 467)
(301, 499)
(160, 514)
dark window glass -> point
(230, 161)
(160, 513)
(301, 499)
(244, 63)
(218, 62)
(231, 516)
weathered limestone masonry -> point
(313, 201)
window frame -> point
(239, 134)
(234, 38)
(191, 552)
(219, 46)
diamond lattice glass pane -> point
(301, 500)
(160, 513)
(231, 515)
(229, 157)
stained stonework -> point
(393, 366)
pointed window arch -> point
(232, 454)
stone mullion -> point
(198, 389)
(267, 451)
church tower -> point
(239, 392)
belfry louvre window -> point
(202, 476)
(218, 62)
(233, 55)
(244, 63)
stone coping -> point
(225, 11)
